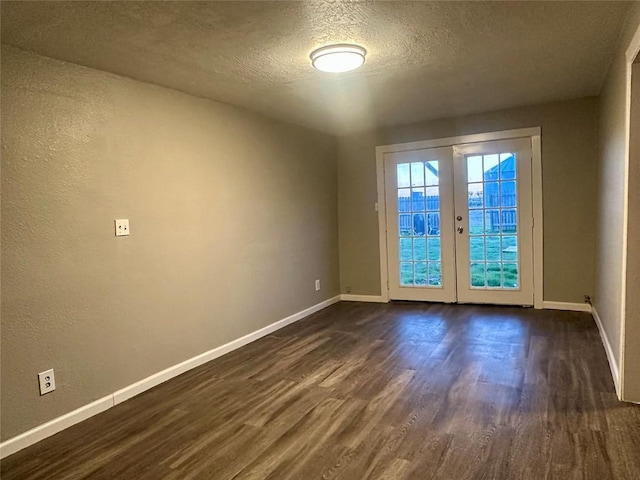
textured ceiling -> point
(426, 59)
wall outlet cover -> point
(122, 227)
(47, 381)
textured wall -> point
(569, 148)
(611, 171)
(232, 216)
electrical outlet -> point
(587, 298)
(122, 227)
(47, 382)
(348, 289)
(317, 285)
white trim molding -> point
(67, 420)
(613, 365)
(573, 307)
(347, 297)
(632, 52)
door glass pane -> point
(435, 274)
(419, 228)
(406, 273)
(433, 244)
(404, 200)
(510, 275)
(417, 199)
(406, 252)
(508, 194)
(431, 173)
(418, 224)
(477, 275)
(421, 273)
(474, 169)
(493, 248)
(420, 248)
(475, 195)
(494, 274)
(509, 221)
(404, 226)
(493, 221)
(476, 222)
(417, 175)
(403, 177)
(433, 223)
(476, 249)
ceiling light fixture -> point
(338, 58)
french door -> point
(459, 223)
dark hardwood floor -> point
(359, 391)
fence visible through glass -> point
(493, 221)
(419, 224)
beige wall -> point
(632, 320)
(569, 148)
(233, 216)
(608, 292)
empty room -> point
(298, 240)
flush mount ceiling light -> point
(338, 58)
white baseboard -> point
(54, 426)
(69, 419)
(613, 365)
(574, 307)
(346, 297)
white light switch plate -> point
(122, 227)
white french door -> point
(459, 223)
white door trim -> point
(633, 50)
(533, 132)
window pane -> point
(477, 275)
(404, 226)
(417, 199)
(431, 173)
(417, 174)
(510, 247)
(406, 253)
(509, 221)
(476, 249)
(418, 224)
(510, 275)
(474, 169)
(402, 171)
(433, 223)
(404, 200)
(491, 194)
(492, 221)
(475, 195)
(494, 275)
(476, 222)
(406, 274)
(507, 166)
(508, 194)
(421, 273)
(491, 167)
(434, 248)
(435, 274)
(420, 249)
(433, 198)
(493, 248)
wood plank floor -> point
(364, 391)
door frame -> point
(534, 133)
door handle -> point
(460, 229)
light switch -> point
(122, 227)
